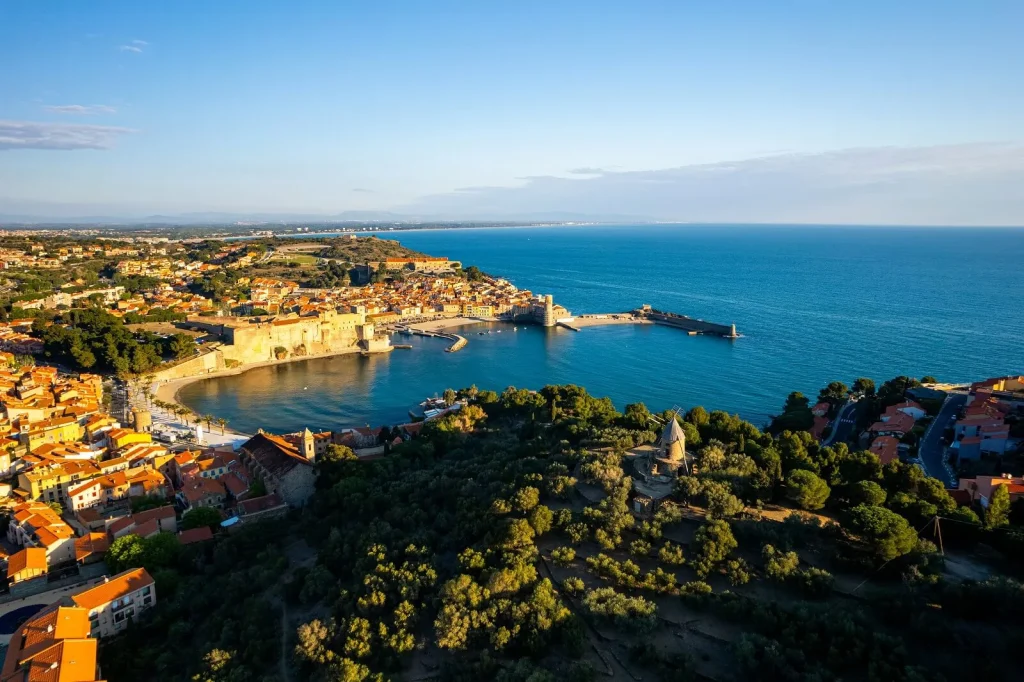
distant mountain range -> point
(227, 218)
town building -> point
(113, 604)
(52, 646)
(981, 487)
(26, 565)
(286, 469)
(36, 525)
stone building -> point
(657, 467)
(285, 468)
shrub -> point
(738, 572)
(815, 582)
(713, 541)
(639, 548)
(577, 532)
(633, 612)
(563, 556)
(541, 519)
(695, 588)
(672, 554)
(574, 586)
(778, 565)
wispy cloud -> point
(33, 135)
(134, 46)
(362, 190)
(969, 184)
(587, 170)
(79, 109)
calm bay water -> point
(813, 303)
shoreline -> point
(168, 391)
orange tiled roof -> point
(120, 585)
(93, 543)
(30, 558)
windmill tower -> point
(672, 446)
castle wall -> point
(206, 363)
(328, 333)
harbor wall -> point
(687, 323)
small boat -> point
(480, 333)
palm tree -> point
(208, 418)
(222, 422)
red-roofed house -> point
(193, 535)
(909, 407)
(897, 424)
(981, 487)
(267, 506)
(114, 603)
(819, 426)
(202, 492)
(886, 448)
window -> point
(145, 590)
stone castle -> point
(247, 342)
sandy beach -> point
(611, 318)
(167, 391)
(448, 323)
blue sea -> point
(814, 304)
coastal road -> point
(932, 450)
(845, 423)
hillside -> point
(501, 544)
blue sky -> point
(139, 107)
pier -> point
(458, 342)
(647, 315)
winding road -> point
(845, 423)
(932, 450)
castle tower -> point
(142, 420)
(549, 311)
(308, 445)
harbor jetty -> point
(645, 314)
(458, 342)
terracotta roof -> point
(274, 453)
(234, 484)
(193, 535)
(53, 646)
(63, 622)
(259, 504)
(93, 543)
(145, 530)
(886, 447)
(30, 558)
(159, 513)
(900, 422)
(120, 524)
(70, 660)
(119, 586)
